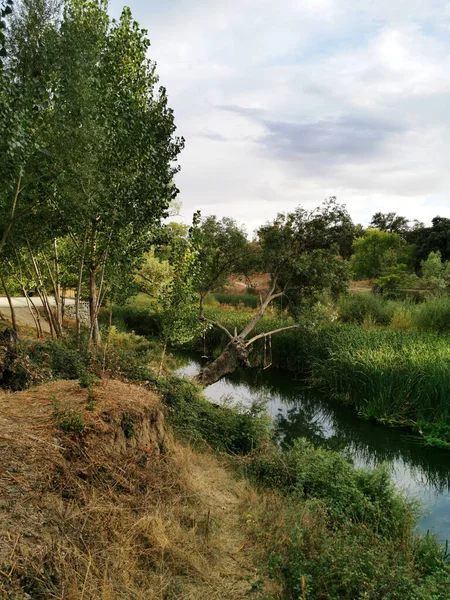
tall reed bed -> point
(394, 376)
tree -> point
(301, 253)
(177, 298)
(154, 275)
(435, 273)
(224, 250)
(25, 68)
(390, 222)
(432, 239)
(377, 251)
(111, 146)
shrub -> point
(248, 300)
(68, 417)
(355, 308)
(433, 315)
(142, 321)
(237, 430)
(340, 532)
(349, 494)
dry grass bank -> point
(119, 511)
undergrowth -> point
(329, 530)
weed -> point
(68, 417)
(127, 424)
(236, 430)
(92, 400)
(87, 379)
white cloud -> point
(287, 103)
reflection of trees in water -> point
(331, 425)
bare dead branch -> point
(261, 335)
(203, 318)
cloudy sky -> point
(285, 103)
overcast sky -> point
(289, 102)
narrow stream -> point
(421, 472)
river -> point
(421, 472)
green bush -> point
(68, 417)
(341, 532)
(350, 495)
(233, 430)
(248, 300)
(355, 308)
(142, 321)
(433, 315)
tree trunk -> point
(11, 306)
(94, 333)
(78, 292)
(234, 356)
(36, 320)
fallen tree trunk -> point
(237, 351)
(234, 356)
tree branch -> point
(267, 300)
(204, 319)
(261, 335)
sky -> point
(287, 103)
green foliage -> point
(127, 425)
(131, 356)
(88, 379)
(353, 563)
(390, 222)
(92, 399)
(178, 314)
(380, 253)
(341, 532)
(248, 300)
(154, 276)
(433, 314)
(432, 239)
(224, 250)
(68, 417)
(144, 321)
(301, 252)
(355, 308)
(435, 273)
(236, 430)
(349, 494)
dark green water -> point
(421, 472)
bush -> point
(350, 494)
(355, 308)
(340, 532)
(68, 417)
(233, 430)
(140, 320)
(433, 315)
(248, 300)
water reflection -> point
(300, 412)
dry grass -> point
(105, 516)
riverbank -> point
(119, 462)
(299, 411)
(400, 377)
(121, 505)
